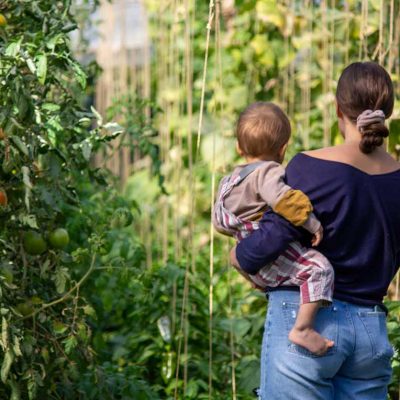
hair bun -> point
(372, 136)
(371, 124)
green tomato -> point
(25, 308)
(124, 249)
(108, 243)
(34, 243)
(85, 122)
(121, 218)
(7, 272)
(7, 166)
(59, 238)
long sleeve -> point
(291, 204)
(271, 182)
(272, 238)
(266, 243)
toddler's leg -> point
(315, 277)
(303, 333)
(313, 273)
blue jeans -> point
(357, 367)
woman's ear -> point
(341, 119)
(338, 110)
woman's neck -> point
(351, 134)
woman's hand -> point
(235, 264)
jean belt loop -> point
(379, 308)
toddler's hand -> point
(316, 240)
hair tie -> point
(369, 117)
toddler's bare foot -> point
(311, 340)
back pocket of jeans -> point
(325, 323)
(375, 325)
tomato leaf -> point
(31, 65)
(70, 343)
(5, 367)
(41, 66)
(28, 220)
(4, 334)
(50, 107)
(15, 391)
(13, 48)
(89, 310)
(113, 128)
(60, 279)
(86, 149)
(52, 42)
(99, 118)
(28, 185)
(79, 74)
(20, 145)
(17, 347)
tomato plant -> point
(45, 162)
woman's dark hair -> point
(366, 86)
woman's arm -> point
(274, 234)
(267, 243)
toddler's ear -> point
(282, 151)
(239, 150)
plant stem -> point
(66, 295)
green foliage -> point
(393, 326)
(136, 329)
(138, 115)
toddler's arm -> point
(291, 204)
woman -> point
(355, 190)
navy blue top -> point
(360, 214)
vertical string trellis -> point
(363, 45)
(200, 125)
(211, 261)
(203, 85)
(326, 76)
(304, 75)
(292, 68)
(226, 246)
(189, 23)
(218, 68)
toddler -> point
(263, 131)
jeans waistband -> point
(292, 294)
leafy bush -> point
(45, 148)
